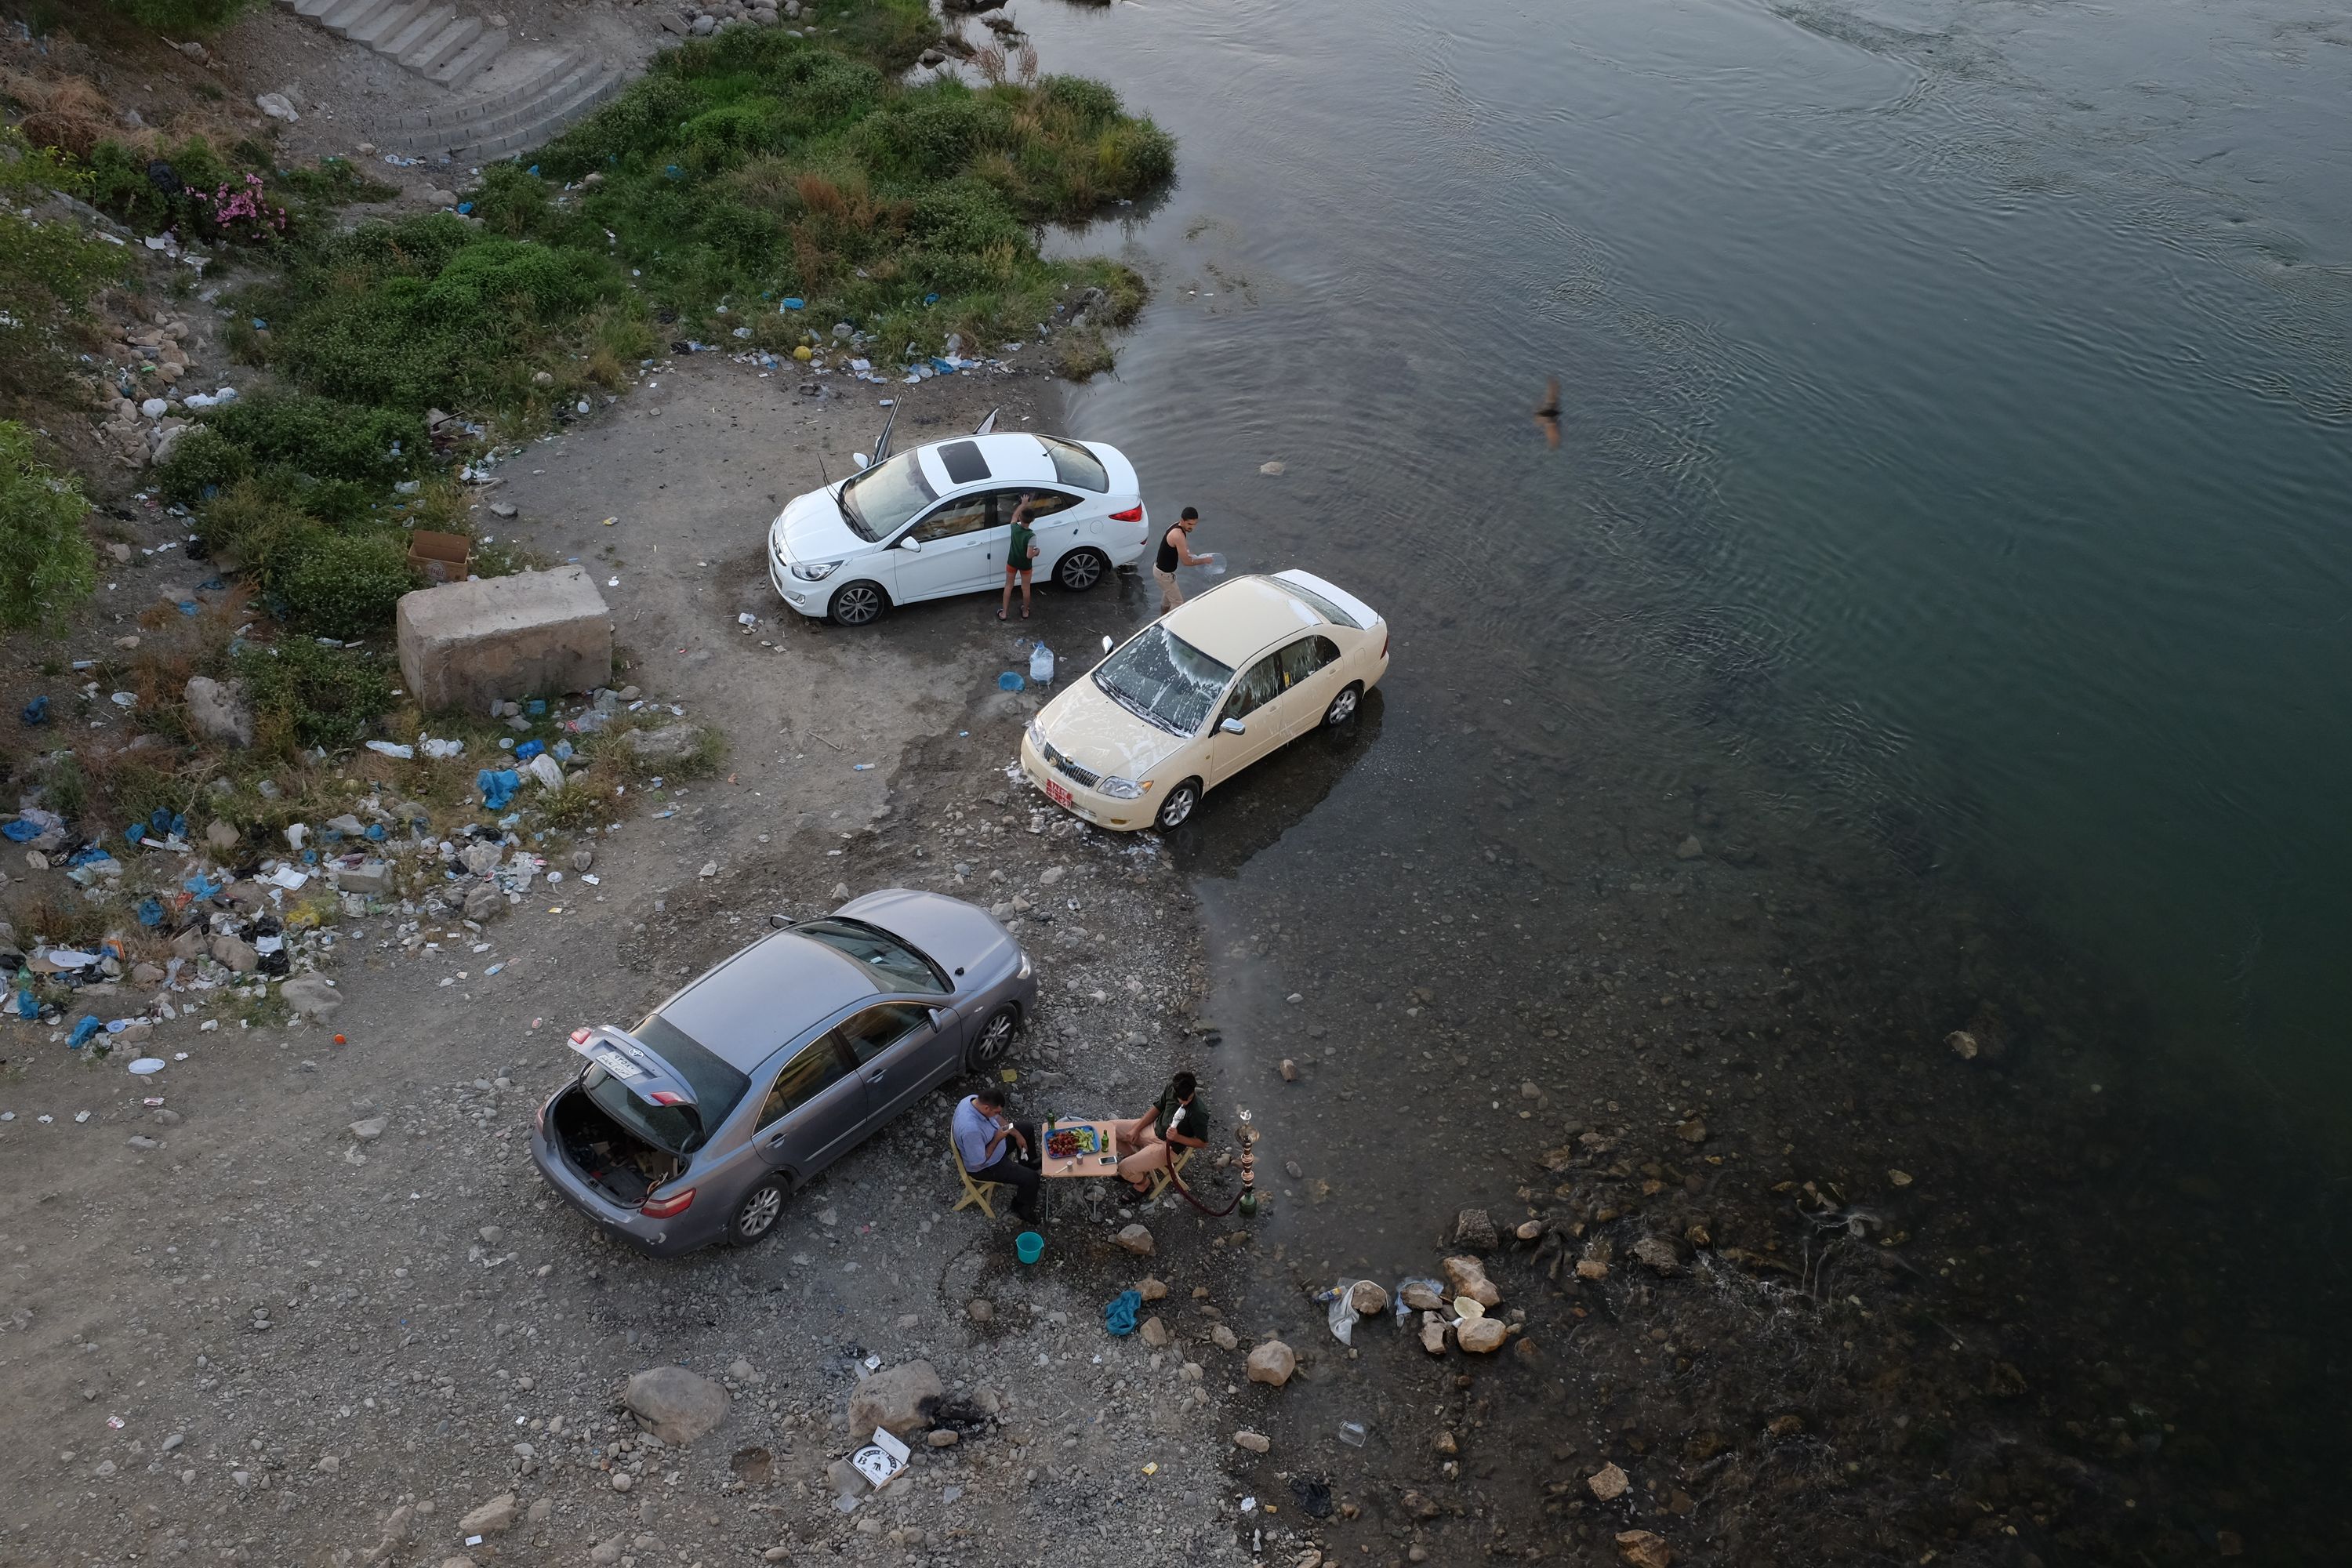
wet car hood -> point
(1085, 726)
(813, 530)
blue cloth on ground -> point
(82, 1032)
(497, 786)
(1118, 1314)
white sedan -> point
(936, 520)
(1202, 693)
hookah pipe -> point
(1246, 1200)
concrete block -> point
(470, 645)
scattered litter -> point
(1010, 680)
(497, 786)
(1270, 468)
(1041, 665)
(1352, 1434)
(80, 1038)
(391, 749)
(861, 767)
(1118, 1312)
(880, 1459)
(146, 1064)
(441, 750)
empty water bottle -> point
(1352, 1434)
(1041, 665)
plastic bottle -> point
(1041, 666)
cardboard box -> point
(442, 557)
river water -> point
(1947, 527)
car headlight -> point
(1119, 788)
(814, 571)
(1027, 968)
(1036, 736)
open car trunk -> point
(619, 1163)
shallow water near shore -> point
(1944, 533)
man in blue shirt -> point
(982, 1130)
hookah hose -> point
(1248, 1162)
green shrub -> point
(254, 526)
(46, 565)
(1093, 103)
(306, 695)
(346, 585)
(120, 183)
(321, 437)
(49, 271)
(202, 460)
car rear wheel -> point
(756, 1216)
(1080, 570)
(856, 604)
(995, 1037)
(1176, 809)
(1343, 707)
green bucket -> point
(1029, 1246)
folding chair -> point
(1179, 1154)
(974, 1191)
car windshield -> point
(1163, 678)
(895, 965)
(1074, 465)
(679, 1128)
(878, 501)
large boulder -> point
(1272, 1363)
(1482, 1336)
(471, 645)
(898, 1399)
(664, 744)
(220, 711)
(677, 1404)
(313, 995)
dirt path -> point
(266, 1340)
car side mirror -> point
(780, 922)
(912, 544)
(1234, 727)
(1108, 645)
(861, 460)
(941, 1018)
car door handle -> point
(876, 1077)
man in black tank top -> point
(1176, 550)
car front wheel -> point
(995, 1037)
(857, 603)
(1176, 808)
(1343, 707)
(1080, 570)
(756, 1216)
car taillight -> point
(539, 1117)
(668, 1205)
(579, 1036)
(1132, 515)
(1384, 642)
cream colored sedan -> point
(1202, 693)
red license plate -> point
(1056, 794)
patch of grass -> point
(46, 565)
(305, 695)
(55, 915)
(49, 269)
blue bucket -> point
(1029, 1246)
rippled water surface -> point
(1955, 442)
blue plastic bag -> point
(150, 911)
(1118, 1314)
(26, 1008)
(528, 749)
(22, 831)
(201, 887)
(82, 1032)
(37, 711)
(497, 786)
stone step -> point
(452, 35)
(470, 62)
(343, 16)
(313, 9)
(382, 23)
(501, 96)
(419, 27)
(560, 112)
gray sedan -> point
(695, 1126)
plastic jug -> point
(1041, 666)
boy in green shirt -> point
(1177, 1118)
(1019, 559)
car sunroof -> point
(963, 462)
